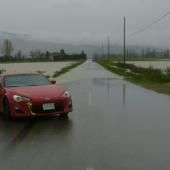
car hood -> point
(51, 91)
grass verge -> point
(68, 68)
(149, 78)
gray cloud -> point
(86, 21)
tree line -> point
(36, 55)
(149, 53)
(144, 53)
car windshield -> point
(25, 80)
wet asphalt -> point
(115, 125)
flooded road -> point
(115, 125)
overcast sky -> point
(87, 21)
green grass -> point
(67, 68)
(149, 78)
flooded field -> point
(155, 64)
(47, 67)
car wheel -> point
(6, 110)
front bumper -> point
(35, 108)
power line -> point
(146, 27)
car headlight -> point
(18, 98)
(66, 94)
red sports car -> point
(32, 94)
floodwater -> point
(155, 64)
(47, 67)
(85, 72)
(115, 125)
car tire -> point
(6, 110)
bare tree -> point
(7, 48)
(19, 55)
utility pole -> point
(124, 49)
(102, 51)
(108, 46)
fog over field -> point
(80, 23)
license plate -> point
(48, 106)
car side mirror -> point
(52, 81)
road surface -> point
(115, 125)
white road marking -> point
(89, 168)
(90, 99)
